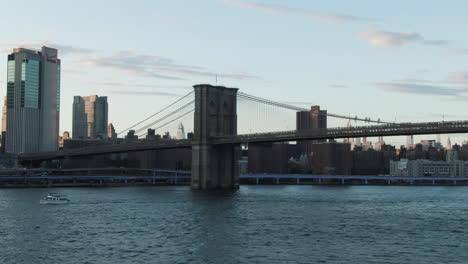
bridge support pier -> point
(215, 166)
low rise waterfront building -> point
(399, 168)
(429, 168)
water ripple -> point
(258, 224)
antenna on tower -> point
(216, 79)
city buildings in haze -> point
(409, 141)
(66, 136)
(89, 117)
(33, 100)
(180, 132)
(449, 143)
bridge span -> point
(216, 143)
(451, 127)
(400, 129)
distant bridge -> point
(216, 144)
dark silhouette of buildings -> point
(368, 162)
(331, 158)
(151, 135)
(131, 135)
(313, 119)
(171, 159)
(372, 162)
(327, 158)
(270, 157)
(421, 152)
(464, 152)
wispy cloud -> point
(147, 65)
(67, 49)
(460, 50)
(64, 50)
(460, 77)
(143, 93)
(153, 86)
(284, 10)
(421, 89)
(383, 38)
(413, 80)
(337, 86)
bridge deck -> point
(450, 127)
(107, 149)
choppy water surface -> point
(258, 224)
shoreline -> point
(161, 184)
(156, 177)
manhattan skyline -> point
(359, 59)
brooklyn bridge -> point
(216, 143)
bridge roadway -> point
(107, 149)
(400, 129)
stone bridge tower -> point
(214, 166)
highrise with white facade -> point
(180, 132)
(33, 100)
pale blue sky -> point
(399, 59)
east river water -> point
(257, 224)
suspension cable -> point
(295, 108)
(160, 111)
(167, 123)
(165, 117)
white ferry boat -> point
(54, 198)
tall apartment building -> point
(4, 118)
(89, 117)
(33, 100)
(111, 131)
(313, 119)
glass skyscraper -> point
(33, 100)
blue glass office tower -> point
(33, 100)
